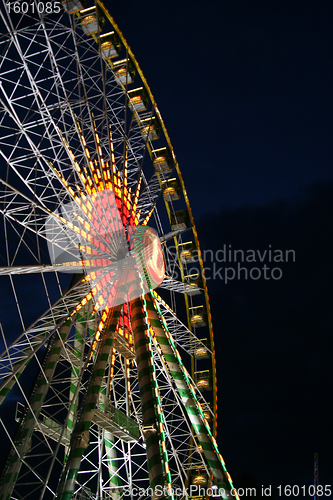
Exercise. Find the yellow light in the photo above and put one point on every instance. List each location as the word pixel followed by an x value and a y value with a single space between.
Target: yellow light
pixel 184 254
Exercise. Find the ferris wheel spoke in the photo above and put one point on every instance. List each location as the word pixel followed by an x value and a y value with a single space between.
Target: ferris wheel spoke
pixel 30 420
pixel 66 266
pixel 14 37
pixel 80 440
pixel 64 244
pixel 63 99
pixel 110 450
pixel 14 359
pixel 189 398
pixel 15 200
pixel 186 340
pixel 52 435
pixel 25 176
pixel 177 286
pixel 22 210
pixel 178 427
pixel 151 192
pixel 24 146
pixel 152 427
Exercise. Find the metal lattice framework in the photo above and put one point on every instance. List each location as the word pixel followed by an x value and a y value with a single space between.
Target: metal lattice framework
pixel 104 405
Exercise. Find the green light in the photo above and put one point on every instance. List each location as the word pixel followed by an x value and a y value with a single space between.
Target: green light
pixel 215 448
pixel 192 392
pixel 157 398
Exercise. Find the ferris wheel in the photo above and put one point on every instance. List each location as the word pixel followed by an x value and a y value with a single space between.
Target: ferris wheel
pixel 107 365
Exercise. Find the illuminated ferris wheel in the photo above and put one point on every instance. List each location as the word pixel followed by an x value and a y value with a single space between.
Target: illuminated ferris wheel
pixel 102 283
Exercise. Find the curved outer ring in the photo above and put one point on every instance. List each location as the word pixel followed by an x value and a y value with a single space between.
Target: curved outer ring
pixel 188 206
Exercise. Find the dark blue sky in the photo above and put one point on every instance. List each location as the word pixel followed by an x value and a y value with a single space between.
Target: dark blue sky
pixel 245 89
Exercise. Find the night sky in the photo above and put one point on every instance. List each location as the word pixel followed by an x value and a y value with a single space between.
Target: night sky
pixel 245 89
pixel 246 92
